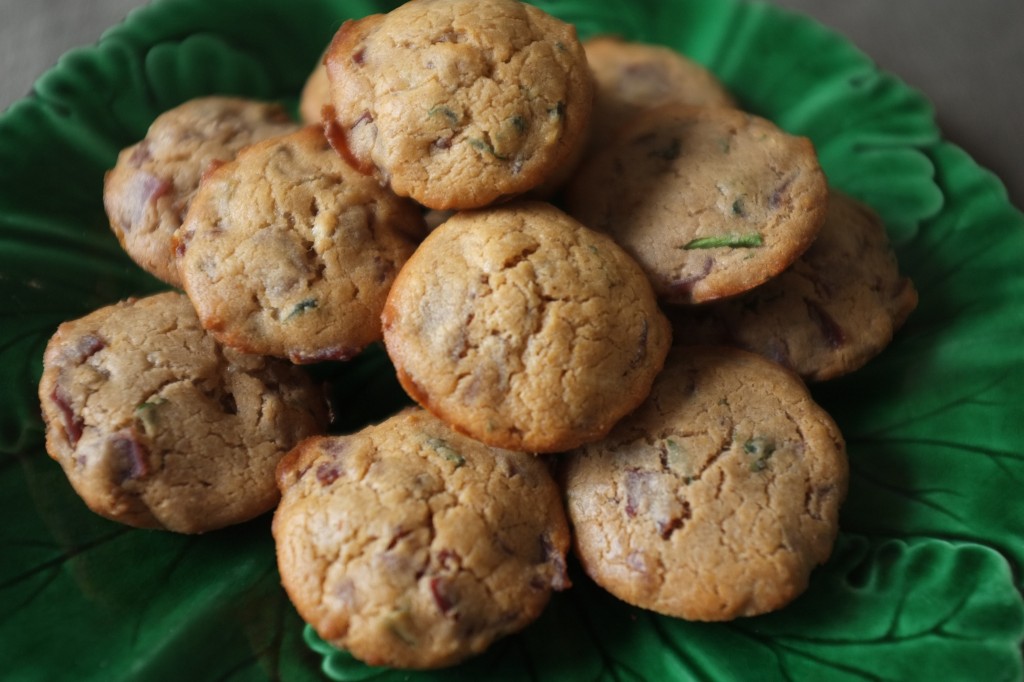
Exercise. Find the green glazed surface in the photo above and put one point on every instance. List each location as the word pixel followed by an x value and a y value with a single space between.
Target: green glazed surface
pixel 925 581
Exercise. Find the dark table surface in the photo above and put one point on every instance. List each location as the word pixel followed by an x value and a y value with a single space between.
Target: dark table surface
pixel 967 57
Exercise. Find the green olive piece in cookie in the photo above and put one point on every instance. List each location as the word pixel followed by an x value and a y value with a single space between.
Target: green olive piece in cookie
pixel 524 329
pixel 460 103
pixel 157 426
pixel 717 497
pixel 711 202
pixel 288 251
pixel 412 546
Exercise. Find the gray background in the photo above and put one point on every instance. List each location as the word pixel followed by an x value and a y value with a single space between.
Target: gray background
pixel 967 56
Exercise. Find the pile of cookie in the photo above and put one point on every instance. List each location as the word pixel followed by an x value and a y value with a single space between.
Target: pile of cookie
pixel 603 283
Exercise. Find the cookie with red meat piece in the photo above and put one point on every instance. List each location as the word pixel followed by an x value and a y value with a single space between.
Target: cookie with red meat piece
pixel 148 191
pixel 716 498
pixel 157 426
pixel 412 546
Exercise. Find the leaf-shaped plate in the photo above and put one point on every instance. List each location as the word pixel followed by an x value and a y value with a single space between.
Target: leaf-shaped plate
pixel 926 579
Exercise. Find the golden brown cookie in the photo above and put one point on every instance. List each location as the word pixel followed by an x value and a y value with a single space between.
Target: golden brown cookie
pixel 710 201
pixel 288 251
pixel 315 95
pixel 412 546
pixel 833 310
pixel 459 103
pixel 717 497
pixel 631 77
pixel 156 426
pixel 524 329
pixel 149 190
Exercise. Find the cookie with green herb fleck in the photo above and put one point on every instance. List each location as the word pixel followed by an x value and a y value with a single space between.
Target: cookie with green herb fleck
pixel 524 329
pixel 413 546
pixel 288 251
pixel 717 497
pixel 711 202
pixel 460 103
pixel 157 426
pixel 631 77
pixel 833 310
pixel 148 191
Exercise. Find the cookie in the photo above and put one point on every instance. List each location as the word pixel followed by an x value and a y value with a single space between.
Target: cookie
pixel 315 95
pixel 460 103
pixel 288 251
pixel 710 201
pixel 631 77
pixel 833 310
pixel 148 191
pixel 156 426
pixel 717 497
pixel 524 329
pixel 412 546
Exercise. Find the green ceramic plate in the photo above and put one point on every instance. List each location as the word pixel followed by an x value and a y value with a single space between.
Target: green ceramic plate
pixel 925 582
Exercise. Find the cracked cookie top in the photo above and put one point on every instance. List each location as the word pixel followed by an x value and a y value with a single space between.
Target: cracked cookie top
pixel 148 192
pixel 717 497
pixel 710 201
pixel 412 546
pixel 156 426
pixel 459 103
pixel 287 251
pixel 833 310
pixel 631 77
pixel 524 329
